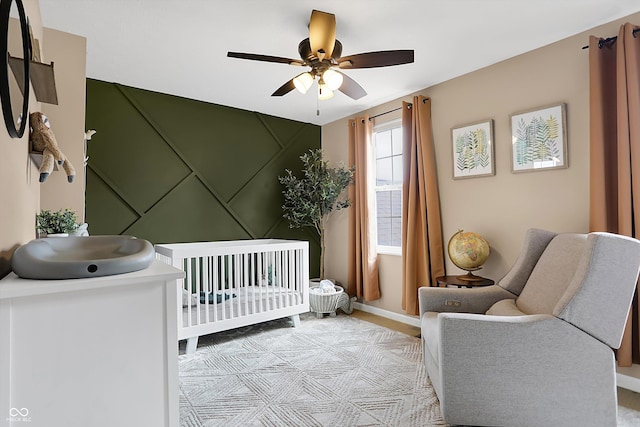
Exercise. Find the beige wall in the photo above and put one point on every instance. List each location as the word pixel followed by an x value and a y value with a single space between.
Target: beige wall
pixel 68 53
pixel 504 206
pixel 20 191
pixel 19 188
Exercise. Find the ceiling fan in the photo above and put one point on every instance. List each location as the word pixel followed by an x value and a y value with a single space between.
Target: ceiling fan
pixel 321 51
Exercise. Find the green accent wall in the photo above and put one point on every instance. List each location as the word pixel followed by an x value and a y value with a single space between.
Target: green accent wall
pixel 170 169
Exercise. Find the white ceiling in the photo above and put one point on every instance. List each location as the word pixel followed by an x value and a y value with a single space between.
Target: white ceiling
pixel 179 47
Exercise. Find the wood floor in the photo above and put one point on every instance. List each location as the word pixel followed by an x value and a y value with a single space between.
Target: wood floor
pixel 414 331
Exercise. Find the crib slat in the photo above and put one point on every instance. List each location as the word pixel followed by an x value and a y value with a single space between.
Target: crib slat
pixel 246 280
pixel 290 263
pixel 274 286
pixel 255 280
pixel 189 285
pixel 300 265
pixel 263 280
pixel 200 290
pixel 215 286
pixel 240 283
pixel 206 284
pixel 224 284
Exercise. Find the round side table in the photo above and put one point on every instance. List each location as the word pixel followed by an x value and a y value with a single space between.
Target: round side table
pixel 445 281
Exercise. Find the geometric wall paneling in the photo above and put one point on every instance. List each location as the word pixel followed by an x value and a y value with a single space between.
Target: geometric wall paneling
pixel 129 151
pixel 284 130
pixel 170 169
pixel 259 201
pixel 110 214
pixel 187 214
pixel 215 140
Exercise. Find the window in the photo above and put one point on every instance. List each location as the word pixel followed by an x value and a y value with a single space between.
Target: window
pixel 387 142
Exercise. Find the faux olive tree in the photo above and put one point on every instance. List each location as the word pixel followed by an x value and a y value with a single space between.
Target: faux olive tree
pixel 310 200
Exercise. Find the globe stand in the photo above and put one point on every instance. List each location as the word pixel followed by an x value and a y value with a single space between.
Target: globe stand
pixel 470 277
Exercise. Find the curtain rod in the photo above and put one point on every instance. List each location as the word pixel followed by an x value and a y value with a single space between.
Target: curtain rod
pixel 386 112
pixel 394 110
pixel 602 42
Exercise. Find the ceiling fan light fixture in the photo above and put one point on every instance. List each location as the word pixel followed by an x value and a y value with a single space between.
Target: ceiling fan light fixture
pixel 324 92
pixel 303 82
pixel 322 52
pixel 332 78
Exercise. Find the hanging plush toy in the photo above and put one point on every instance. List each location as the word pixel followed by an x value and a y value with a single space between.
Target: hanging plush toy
pixel 43 140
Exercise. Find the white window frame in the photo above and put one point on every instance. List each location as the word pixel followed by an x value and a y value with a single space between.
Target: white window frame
pixel 391 124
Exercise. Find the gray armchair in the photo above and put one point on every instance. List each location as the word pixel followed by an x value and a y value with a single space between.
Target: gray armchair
pixel 536 348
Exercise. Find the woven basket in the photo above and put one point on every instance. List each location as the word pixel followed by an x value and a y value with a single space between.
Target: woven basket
pixel 325 303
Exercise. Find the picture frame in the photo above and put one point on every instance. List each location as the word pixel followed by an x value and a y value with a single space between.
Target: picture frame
pixel 539 139
pixel 473 150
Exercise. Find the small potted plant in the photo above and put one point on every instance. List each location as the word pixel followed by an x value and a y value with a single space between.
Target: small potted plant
pixel 59 223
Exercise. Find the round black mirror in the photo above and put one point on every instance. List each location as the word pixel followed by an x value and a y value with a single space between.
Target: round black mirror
pixel 14 93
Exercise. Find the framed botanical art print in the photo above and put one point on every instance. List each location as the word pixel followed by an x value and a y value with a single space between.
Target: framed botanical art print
pixel 539 139
pixel 472 148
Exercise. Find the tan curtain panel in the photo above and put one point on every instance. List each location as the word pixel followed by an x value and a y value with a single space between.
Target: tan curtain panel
pixel 422 247
pixel 363 257
pixel 614 98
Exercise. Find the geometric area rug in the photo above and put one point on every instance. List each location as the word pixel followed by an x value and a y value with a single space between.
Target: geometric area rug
pixel 334 371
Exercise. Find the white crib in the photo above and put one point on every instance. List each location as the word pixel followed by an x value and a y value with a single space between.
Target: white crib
pixel 237 283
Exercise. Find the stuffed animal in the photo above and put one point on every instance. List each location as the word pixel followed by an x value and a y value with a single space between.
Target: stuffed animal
pixel 43 140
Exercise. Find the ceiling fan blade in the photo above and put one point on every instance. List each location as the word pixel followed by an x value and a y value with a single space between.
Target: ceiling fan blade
pixel 264 58
pixel 322 33
pixel 383 58
pixel 351 88
pixel 284 89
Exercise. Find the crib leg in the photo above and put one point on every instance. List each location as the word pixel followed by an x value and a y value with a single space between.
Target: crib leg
pixel 192 344
pixel 296 320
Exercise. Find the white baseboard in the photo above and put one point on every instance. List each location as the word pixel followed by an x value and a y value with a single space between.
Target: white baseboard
pixel 403 318
pixel 629 378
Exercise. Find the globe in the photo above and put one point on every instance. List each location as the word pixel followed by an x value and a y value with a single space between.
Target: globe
pixel 468 251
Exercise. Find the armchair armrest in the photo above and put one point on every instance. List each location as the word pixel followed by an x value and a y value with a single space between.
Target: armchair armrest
pixel 516 360
pixel 454 300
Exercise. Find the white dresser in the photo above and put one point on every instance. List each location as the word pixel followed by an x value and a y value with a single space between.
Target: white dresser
pixel 98 352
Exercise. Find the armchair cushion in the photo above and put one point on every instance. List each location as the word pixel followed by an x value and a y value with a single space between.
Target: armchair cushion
pixel 552 274
pixel 505 307
pixel 535 242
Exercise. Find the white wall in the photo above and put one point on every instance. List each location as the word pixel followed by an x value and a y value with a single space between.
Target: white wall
pixel 68 53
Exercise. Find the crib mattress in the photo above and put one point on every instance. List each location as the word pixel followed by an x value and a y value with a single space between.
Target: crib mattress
pixel 240 302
